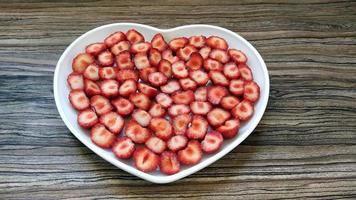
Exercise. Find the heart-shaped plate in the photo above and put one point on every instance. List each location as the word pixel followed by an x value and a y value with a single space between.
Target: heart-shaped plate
pixel 69 115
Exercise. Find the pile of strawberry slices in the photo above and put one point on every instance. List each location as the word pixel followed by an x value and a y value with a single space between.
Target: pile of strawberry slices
pixel 173 101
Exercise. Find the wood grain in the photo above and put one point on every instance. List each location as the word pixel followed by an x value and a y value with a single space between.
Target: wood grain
pixel 304 147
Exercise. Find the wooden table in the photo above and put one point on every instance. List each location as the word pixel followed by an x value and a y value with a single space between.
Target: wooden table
pixel 304 147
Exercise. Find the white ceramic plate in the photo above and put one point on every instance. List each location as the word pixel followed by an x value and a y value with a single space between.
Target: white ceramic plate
pixel 69 115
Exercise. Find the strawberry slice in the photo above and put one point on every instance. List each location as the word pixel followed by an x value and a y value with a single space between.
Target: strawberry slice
pixel 134 37
pixel 180 124
pixel 210 64
pixel 230 128
pixel 237 56
pixel 157 79
pixel 127 88
pixel 92 72
pixel 169 163
pixel 140 100
pixel 78 99
pixel 141 61
pixel 183 97
pixel 245 72
pixel 156 144
pixel 229 102
pixel 123 60
pixel 179 70
pixel 218 116
pixel 216 93
pixel 204 52
pixel 200 107
pixel 165 67
pixel 212 142
pixel 198 128
pixel 158 42
pixel 123 106
pixel 147 90
pixel 87 118
pixel 95 49
pixel 142 117
pixel 251 91
pixel 187 84
pixel 171 87
pixel 101 136
pixel 177 142
pixel 91 88
pixel 164 100
pixel 219 55
pixel 81 62
pixel 195 61
pixel 106 58
pixel 168 55
pixel 185 52
pixel 231 71
pixel 123 148
pixel 136 132
pixel 142 47
pixel 192 154
pixel 197 41
pixel 114 38
pixel 199 76
pixel 109 88
pixel 145 160
pixel 178 109
pixel 216 42
pixel 157 110
pixel 243 111
pixel 177 43
pixel 201 94
pixel 218 78
pixel 161 127
pixel 100 104
pixel 75 81
pixel 145 72
pixel 112 121
pixel 154 57
pixel 120 47
pixel 236 87
pixel 126 74
pixel 107 73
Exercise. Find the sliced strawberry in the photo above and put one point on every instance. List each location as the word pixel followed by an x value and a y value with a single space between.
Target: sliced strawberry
pixel 141 61
pixel 211 64
pixel 231 71
pixel 169 163
pixel 107 73
pixel 157 110
pixel 114 38
pixel 183 97
pixel 204 52
pixel 81 62
pixel 177 142
pixel 218 78
pixel 245 72
pixel 101 136
pixel 112 121
pixel 91 88
pixel 158 42
pixel 219 55
pixel 218 116
pixel 157 79
pixel 123 148
pixel 212 142
pixel 78 99
pixel 216 93
pixel 75 81
pixel 216 42
pixel 200 107
pixel 165 67
pixel 134 37
pixel 187 84
pixel 200 77
pixel 179 70
pixel 195 61
pixel 236 87
pixel 145 160
pixel 229 102
pixel 142 117
pixel 198 128
pixel 123 60
pixel 201 94
pixel 106 58
pixel 136 132
pixel 95 49
pixel 127 88
pixel 109 88
pixel 92 72
pixel 237 56
pixel 161 127
pixel 178 109
pixel 197 41
pixel 142 47
pixel 100 104
pixel 126 74
pixel 177 43
pixel 164 100
pixel 185 52
pixel 230 128
pixel 140 100
pixel 168 55
pixel 154 57
pixel 147 90
pixel 120 47
pixel 171 87
pixel 87 118
pixel 192 154
pixel 180 124
pixel 123 106
pixel 251 91
pixel 145 72
pixel 243 111
pixel 156 144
